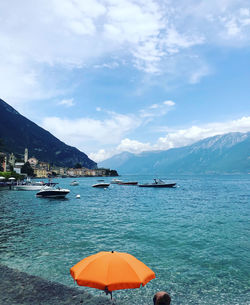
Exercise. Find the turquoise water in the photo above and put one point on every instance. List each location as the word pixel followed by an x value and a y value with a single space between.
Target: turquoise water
pixel 195 237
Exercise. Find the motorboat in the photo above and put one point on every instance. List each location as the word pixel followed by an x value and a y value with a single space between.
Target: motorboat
pixel 52 192
pixel 101 185
pixel 128 183
pixel 4 186
pixel 29 186
pixel 73 183
pixel 115 181
pixel 158 183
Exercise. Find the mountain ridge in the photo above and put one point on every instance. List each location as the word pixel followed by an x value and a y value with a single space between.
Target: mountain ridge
pixel 228 153
pixel 17 133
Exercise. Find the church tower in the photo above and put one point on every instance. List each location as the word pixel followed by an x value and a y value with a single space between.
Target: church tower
pixel 26 157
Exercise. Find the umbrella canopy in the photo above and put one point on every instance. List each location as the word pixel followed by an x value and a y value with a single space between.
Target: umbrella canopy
pixel 2 178
pixel 12 178
pixel 111 271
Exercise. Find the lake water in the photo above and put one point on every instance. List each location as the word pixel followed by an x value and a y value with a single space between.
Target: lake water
pixel 195 237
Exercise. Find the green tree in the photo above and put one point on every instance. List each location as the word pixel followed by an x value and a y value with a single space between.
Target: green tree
pixel 1 160
pixel 78 165
pixel 27 169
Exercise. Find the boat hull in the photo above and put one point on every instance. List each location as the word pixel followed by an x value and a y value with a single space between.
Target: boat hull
pixel 28 187
pixel 52 194
pixel 128 183
pixel 158 185
pixel 74 183
pixel 101 185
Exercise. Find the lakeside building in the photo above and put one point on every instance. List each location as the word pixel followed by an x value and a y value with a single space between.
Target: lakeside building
pixel 86 172
pixel 12 160
pixel 41 173
pixel 76 172
pixel 33 162
pixel 44 169
pixel 60 171
pixel 17 167
pixel 43 165
pixel 3 161
pixel 96 172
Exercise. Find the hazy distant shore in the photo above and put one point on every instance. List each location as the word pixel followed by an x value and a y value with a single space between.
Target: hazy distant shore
pixel 19 288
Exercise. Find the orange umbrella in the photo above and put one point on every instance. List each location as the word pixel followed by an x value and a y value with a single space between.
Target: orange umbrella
pixel 111 271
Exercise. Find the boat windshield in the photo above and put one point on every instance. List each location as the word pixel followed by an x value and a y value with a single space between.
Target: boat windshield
pixel 159 181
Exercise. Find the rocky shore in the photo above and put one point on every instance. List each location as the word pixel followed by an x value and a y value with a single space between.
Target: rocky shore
pixel 19 288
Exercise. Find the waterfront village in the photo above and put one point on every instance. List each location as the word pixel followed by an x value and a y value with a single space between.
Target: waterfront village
pixel 41 169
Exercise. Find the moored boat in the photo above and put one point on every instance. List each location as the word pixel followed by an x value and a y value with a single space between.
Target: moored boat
pixel 73 183
pixel 158 183
pixel 52 192
pixel 28 185
pixel 115 181
pixel 101 185
pixel 128 183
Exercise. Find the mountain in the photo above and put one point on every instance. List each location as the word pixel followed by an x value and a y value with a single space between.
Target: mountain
pixel 229 153
pixel 17 133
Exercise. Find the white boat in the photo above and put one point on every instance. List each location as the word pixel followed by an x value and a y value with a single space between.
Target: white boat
pixel 158 183
pixel 115 181
pixel 101 185
pixel 74 183
pixel 29 186
pixel 52 192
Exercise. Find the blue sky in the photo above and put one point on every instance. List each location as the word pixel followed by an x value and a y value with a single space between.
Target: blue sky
pixel 109 76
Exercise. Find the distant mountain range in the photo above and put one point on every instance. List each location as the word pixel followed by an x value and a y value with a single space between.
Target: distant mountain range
pixel 229 153
pixel 17 133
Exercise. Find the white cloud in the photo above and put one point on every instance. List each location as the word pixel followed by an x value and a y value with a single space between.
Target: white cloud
pixel 176 138
pixel 90 132
pixel 67 102
pixel 190 135
pixel 156 110
pixel 70 34
pixel 175 40
pixel 245 11
pixel 232 27
pixel 126 144
pixel 169 103
pixel 197 74
pixel 80 131
pixel 133 146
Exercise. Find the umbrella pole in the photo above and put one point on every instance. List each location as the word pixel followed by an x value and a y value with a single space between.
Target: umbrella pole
pixel 108 292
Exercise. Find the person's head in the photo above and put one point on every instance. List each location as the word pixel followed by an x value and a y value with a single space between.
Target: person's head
pixel 162 298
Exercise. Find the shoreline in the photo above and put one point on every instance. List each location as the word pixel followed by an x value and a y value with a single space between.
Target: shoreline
pixel 20 288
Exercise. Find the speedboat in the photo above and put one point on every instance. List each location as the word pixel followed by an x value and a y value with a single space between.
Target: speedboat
pixel 74 183
pixel 101 185
pixel 115 181
pixel 128 183
pixel 29 186
pixel 158 183
pixel 52 192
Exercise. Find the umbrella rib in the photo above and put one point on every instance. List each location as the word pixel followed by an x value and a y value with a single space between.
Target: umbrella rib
pixel 87 265
pixel 140 279
pixel 131 269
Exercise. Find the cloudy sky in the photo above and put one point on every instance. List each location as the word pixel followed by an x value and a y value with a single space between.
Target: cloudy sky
pixel 109 76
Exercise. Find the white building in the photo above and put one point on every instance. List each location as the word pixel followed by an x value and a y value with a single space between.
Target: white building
pixel 18 166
